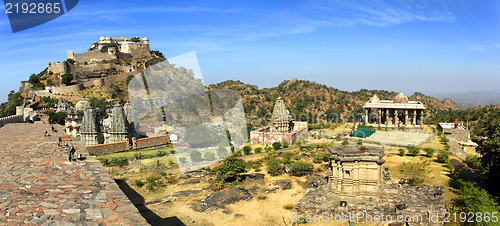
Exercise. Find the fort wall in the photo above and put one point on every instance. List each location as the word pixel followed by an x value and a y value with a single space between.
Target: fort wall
pixel 94 56
pixel 141 143
pixel 11 119
pixel 68 89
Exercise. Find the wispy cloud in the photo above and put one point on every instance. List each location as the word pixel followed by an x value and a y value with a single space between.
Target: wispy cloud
pixel 477 47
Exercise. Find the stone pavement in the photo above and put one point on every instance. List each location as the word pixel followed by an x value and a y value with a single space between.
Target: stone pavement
pixel 398 138
pixel 39 186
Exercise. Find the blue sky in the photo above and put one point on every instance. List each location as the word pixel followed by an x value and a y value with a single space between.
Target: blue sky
pixel 409 46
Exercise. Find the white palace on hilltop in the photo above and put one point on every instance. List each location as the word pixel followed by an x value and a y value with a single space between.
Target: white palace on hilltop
pixel 399 112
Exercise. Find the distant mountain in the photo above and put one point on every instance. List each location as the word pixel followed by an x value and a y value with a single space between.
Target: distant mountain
pixel 467 100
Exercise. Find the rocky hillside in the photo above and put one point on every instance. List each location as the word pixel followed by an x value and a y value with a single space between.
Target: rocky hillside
pixel 304 96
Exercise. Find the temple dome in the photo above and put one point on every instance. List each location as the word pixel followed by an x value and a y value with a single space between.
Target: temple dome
pixel 401 98
pixel 374 99
pixel 82 105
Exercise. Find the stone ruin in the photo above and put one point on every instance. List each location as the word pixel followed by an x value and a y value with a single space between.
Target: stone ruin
pixel 356 187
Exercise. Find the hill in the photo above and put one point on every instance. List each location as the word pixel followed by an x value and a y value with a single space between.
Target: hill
pixel 311 98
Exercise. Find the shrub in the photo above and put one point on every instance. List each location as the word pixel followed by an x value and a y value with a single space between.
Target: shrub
pixel 257 150
pixel 276 145
pixel 139 155
pixel 413 151
pixel 287 157
pixel 321 157
pixel 416 171
pixel 209 156
pixel 345 142
pixel 285 144
pixel 274 167
pixel 474 162
pixel 256 167
pixel 289 206
pixel 104 161
pixel 261 197
pixel 444 140
pixel 139 183
pixel 299 168
pixel 195 156
pixel 360 142
pixel 442 157
pixel 66 78
pixel 298 143
pixel 402 152
pixel 247 150
pixel 430 152
pixel 161 153
pixel 231 166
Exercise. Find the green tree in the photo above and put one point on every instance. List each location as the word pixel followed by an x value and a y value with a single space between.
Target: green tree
pixel 415 171
pixel 300 168
pixel 414 151
pixel 429 152
pixel 66 78
pixel 274 167
pixel 195 156
pixel 442 157
pixel 285 144
pixel 490 151
pixel 258 150
pixel 71 61
pixel 209 156
pixel 276 145
pixel 247 150
pixel 402 152
pixel 231 166
pixel 34 79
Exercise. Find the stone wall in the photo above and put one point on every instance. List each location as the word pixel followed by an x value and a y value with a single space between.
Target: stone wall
pixel 11 119
pixel 142 143
pixel 101 67
pixel 68 89
pixel 152 142
pixel 102 149
pixel 60 67
pixel 137 50
pixel 94 56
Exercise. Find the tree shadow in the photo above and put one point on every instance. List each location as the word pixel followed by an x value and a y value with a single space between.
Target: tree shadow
pixel 138 201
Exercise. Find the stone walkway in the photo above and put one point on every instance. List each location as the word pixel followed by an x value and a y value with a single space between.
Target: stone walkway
pixel 39 186
pixel 399 138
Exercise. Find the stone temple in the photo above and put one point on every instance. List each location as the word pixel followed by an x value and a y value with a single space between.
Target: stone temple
pixel 355 185
pixel 282 127
pixel 356 171
pixel 84 122
pixel 396 113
